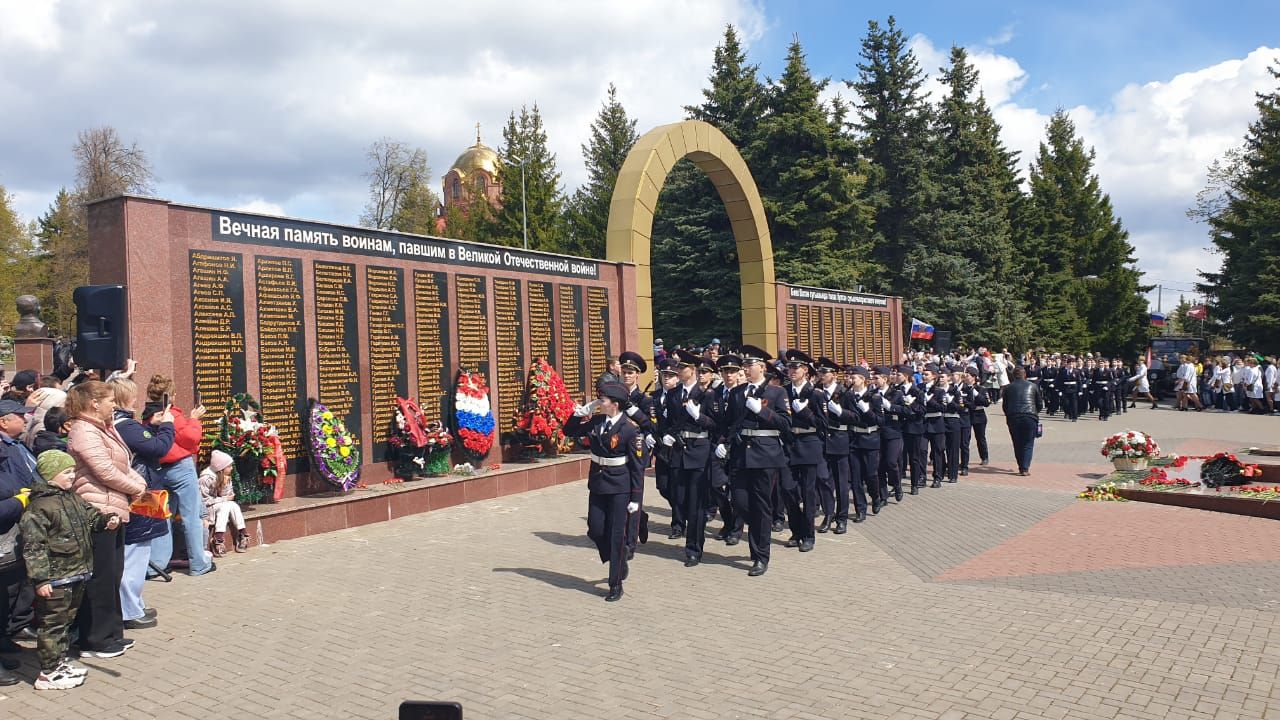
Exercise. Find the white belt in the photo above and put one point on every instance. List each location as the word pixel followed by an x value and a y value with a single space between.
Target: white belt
pixel 752 432
pixel 693 435
pixel 865 430
pixel 947 415
pixel 1103 384
pixel 610 461
pixel 803 431
pixel 839 428
pixel 929 415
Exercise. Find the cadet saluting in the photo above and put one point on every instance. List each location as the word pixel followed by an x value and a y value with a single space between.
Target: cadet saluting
pixel 757 417
pixel 689 425
pixel 615 479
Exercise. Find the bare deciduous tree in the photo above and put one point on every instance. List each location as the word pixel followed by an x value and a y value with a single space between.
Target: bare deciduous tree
pixel 105 166
pixel 396 171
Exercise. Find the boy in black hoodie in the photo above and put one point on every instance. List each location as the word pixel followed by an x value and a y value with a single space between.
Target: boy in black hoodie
pixel 54 434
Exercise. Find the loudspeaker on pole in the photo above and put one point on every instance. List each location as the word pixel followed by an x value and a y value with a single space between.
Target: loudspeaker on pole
pixel 102 326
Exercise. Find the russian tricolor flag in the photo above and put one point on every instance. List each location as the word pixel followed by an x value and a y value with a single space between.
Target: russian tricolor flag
pixel 1158 319
pixel 920 330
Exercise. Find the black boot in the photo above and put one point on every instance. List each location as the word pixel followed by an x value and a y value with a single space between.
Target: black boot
pixel 860 516
pixel 897 493
pixel 825 525
pixel 841 528
pixel 915 489
pixel 615 594
pixel 936 484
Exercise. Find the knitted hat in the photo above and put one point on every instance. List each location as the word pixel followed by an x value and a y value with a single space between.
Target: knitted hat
pixel 219 461
pixel 52 462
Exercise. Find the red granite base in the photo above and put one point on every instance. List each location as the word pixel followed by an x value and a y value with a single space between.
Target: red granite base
pixel 1224 501
pixel 301 516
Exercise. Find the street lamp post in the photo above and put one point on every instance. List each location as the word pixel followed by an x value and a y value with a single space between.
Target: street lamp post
pixel 524 207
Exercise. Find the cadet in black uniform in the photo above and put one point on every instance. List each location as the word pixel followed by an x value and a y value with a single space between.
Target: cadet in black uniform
pixel 775 378
pixel 688 431
pixel 894 409
pixel 757 418
pixel 862 407
pixel 1069 381
pixel 1119 386
pixel 977 421
pixel 935 427
pixel 730 367
pixel 615 479
pixel 1100 378
pixel 1049 384
pixel 833 489
pixel 913 433
pixel 663 471
pixel 808 430
pixel 951 412
pixel 640 410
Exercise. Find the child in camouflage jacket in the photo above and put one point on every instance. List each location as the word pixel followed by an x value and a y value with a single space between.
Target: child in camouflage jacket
pixel 58 549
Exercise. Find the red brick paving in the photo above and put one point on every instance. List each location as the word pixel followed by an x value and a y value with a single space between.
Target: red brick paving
pixel 1108 536
pixel 1044 476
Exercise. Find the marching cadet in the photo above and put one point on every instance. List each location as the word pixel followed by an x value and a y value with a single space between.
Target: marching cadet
pixel 640 410
pixel 965 400
pixel 863 408
pixel 913 429
pixel 894 409
pixel 688 431
pixel 1049 383
pixel 977 422
pixel 709 380
pixel 935 427
pixel 1099 377
pixel 615 479
pixel 663 471
pixel 1069 381
pixel 951 411
pixel 1119 383
pixel 808 430
pixel 730 367
pixel 833 489
pixel 774 377
pixel 758 417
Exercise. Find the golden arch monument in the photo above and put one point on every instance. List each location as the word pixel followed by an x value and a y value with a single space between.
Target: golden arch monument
pixel 635 198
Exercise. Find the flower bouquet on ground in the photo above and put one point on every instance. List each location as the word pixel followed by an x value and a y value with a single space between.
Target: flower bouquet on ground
pixel 1226 469
pixel 545 409
pixel 1157 479
pixel 473 416
pixel 259 467
pixel 1130 450
pixel 335 451
pixel 1105 492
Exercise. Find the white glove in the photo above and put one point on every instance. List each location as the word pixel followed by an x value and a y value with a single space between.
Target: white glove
pixel 721 451
pixel 650 441
pixel 631 411
pixel 834 407
pixel 864 406
pixel 592 406
pixel 754 404
pixel 798 404
pixel 632 507
pixel 693 409
pixel 949 398
pixel 668 440
pixel 582 410
pixel 884 402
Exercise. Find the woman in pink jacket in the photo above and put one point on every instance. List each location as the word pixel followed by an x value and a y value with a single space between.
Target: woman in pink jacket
pixel 106 480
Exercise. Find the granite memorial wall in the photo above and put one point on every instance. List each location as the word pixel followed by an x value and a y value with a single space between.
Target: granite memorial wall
pixel 845 326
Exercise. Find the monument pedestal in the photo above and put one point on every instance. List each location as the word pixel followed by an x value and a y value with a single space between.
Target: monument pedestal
pixel 33 354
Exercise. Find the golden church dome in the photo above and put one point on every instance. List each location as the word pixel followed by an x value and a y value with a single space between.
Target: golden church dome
pixel 477 157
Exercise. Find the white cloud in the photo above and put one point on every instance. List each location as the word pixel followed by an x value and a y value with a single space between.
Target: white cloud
pixel 1001 38
pixel 258 205
pixel 277 101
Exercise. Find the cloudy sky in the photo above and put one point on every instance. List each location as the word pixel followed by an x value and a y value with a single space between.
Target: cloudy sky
pixel 269 105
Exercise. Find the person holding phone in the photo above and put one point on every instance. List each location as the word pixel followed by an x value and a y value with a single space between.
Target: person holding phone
pixel 181 479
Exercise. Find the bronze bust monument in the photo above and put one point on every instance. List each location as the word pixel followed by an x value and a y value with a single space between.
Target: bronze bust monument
pixel 29 323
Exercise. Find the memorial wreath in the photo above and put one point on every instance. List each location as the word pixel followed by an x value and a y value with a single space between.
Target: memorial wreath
pixel 421 446
pixel 335 451
pixel 243 434
pixel 544 411
pixel 473 415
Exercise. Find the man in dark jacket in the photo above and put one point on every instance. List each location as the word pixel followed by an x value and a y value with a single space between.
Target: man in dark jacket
pixel 17 477
pixel 1021 403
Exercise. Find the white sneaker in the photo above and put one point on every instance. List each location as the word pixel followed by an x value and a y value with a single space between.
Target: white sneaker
pixel 60 679
pixel 74 668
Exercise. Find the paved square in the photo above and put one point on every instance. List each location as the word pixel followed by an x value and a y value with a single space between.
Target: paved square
pixel 998 597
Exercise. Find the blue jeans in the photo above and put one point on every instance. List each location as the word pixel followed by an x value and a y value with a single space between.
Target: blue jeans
pixel 1022 430
pixel 184 499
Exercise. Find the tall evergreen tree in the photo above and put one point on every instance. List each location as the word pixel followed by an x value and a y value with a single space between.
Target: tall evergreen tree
pixel 64 259
pixel 693 242
pixel 1079 261
pixel 1244 295
pixel 587 216
pixel 524 139
pixel 963 276
pixel 893 121
pixel 819 227
pixel 17 256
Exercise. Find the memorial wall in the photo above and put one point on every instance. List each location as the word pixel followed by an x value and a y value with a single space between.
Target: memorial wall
pixel 845 326
pixel 289 310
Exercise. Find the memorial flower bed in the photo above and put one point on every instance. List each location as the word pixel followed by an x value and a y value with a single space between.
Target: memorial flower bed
pixel 544 411
pixel 1225 469
pixel 473 416
pixel 1158 480
pixel 335 452
pixel 421 447
pixel 243 434
pixel 1258 492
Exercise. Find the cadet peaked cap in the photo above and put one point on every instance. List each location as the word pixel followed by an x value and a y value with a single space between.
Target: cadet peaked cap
pixel 826 364
pixel 614 391
pixel 932 367
pixel 684 357
pixel 751 353
pixel 729 362
pixel 633 360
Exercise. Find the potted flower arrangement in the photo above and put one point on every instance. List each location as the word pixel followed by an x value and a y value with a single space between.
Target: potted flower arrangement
pixel 421 446
pixel 473 416
pixel 335 452
pixel 1226 469
pixel 544 411
pixel 242 433
pixel 1130 450
pixel 438 445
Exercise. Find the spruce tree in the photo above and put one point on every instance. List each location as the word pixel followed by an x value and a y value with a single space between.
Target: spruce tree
pixel 587 215
pixel 525 140
pixel 1244 295
pixel 693 243
pixel 817 222
pixel 893 121
pixel 63 237
pixel 17 253
pixel 1086 292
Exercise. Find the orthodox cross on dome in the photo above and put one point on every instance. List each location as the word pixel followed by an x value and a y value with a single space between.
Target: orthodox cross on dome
pixel 477 133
